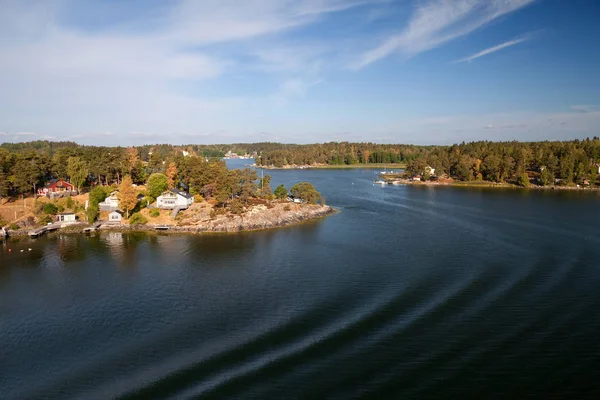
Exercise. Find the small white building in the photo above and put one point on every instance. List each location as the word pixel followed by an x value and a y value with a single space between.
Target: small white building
pixel 115 217
pixel 172 198
pixel 111 203
pixel 66 217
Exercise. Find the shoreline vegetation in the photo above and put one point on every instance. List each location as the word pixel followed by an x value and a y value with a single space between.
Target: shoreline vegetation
pixel 46 185
pixel 137 176
pixel 483 184
pixel 565 165
pixel 336 166
pixel 198 220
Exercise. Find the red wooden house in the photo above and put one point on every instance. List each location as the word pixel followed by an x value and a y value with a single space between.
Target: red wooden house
pixel 56 186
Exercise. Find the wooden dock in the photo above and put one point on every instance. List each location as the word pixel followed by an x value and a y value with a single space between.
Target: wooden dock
pixel 92 228
pixel 40 231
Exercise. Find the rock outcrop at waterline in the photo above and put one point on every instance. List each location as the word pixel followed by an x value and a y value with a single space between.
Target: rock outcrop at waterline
pixel 199 219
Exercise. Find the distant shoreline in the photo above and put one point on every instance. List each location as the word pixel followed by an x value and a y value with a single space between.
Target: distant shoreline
pixel 487 184
pixel 337 166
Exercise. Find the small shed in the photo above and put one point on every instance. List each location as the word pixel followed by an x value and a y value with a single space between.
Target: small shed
pixel 66 217
pixel 115 216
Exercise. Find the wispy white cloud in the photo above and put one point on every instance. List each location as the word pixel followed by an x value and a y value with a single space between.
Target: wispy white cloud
pixel 585 108
pixel 26 134
pixel 293 89
pixel 213 21
pixel 436 22
pixel 493 49
pixel 121 79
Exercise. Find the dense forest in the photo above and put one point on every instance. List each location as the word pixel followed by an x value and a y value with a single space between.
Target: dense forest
pixel 542 163
pixel 26 166
pixel 343 153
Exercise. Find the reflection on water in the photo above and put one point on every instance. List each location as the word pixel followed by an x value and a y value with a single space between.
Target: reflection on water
pixel 407 292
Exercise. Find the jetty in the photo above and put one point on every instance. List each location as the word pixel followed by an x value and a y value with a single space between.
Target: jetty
pixel 40 231
pixel 92 228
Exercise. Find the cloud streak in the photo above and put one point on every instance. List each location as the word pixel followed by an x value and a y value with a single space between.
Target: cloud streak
pixel 148 77
pixel 437 22
pixel 492 49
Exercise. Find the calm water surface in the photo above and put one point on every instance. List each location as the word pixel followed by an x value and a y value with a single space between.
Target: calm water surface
pixel 408 292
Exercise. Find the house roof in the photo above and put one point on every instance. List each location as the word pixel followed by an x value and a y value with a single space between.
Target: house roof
pixel 181 193
pixel 54 181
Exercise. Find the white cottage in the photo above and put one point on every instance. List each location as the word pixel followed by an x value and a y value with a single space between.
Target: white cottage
pixel 111 203
pixel 115 217
pixel 66 218
pixel 172 198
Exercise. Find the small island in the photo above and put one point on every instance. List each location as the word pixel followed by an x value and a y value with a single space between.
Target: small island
pixel 178 193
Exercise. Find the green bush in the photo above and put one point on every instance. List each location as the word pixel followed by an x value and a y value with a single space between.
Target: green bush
pixel 98 194
pixel 236 207
pixel 523 180
pixel 92 213
pixel 280 192
pixel 50 208
pixel 45 219
pixel 137 219
pixel 154 213
pixel 305 191
pixel 157 183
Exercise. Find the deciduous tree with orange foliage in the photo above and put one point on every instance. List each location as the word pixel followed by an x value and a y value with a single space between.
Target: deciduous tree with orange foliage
pixel 127 195
pixel 172 175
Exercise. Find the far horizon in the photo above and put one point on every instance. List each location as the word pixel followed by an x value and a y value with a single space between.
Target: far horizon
pixel 422 72
pixel 99 144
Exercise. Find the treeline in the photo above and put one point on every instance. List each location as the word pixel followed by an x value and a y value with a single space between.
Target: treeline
pixel 543 163
pixel 344 153
pixel 24 167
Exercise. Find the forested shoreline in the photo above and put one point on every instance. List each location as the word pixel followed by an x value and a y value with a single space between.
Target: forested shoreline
pixel 26 166
pixel 562 163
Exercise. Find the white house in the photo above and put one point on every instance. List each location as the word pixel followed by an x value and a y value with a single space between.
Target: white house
pixel 172 198
pixel 111 203
pixel 66 217
pixel 115 216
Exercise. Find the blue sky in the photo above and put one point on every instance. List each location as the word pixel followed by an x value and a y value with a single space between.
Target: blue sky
pixel 121 72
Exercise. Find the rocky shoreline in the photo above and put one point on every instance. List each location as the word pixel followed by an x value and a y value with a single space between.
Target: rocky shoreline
pixel 256 218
